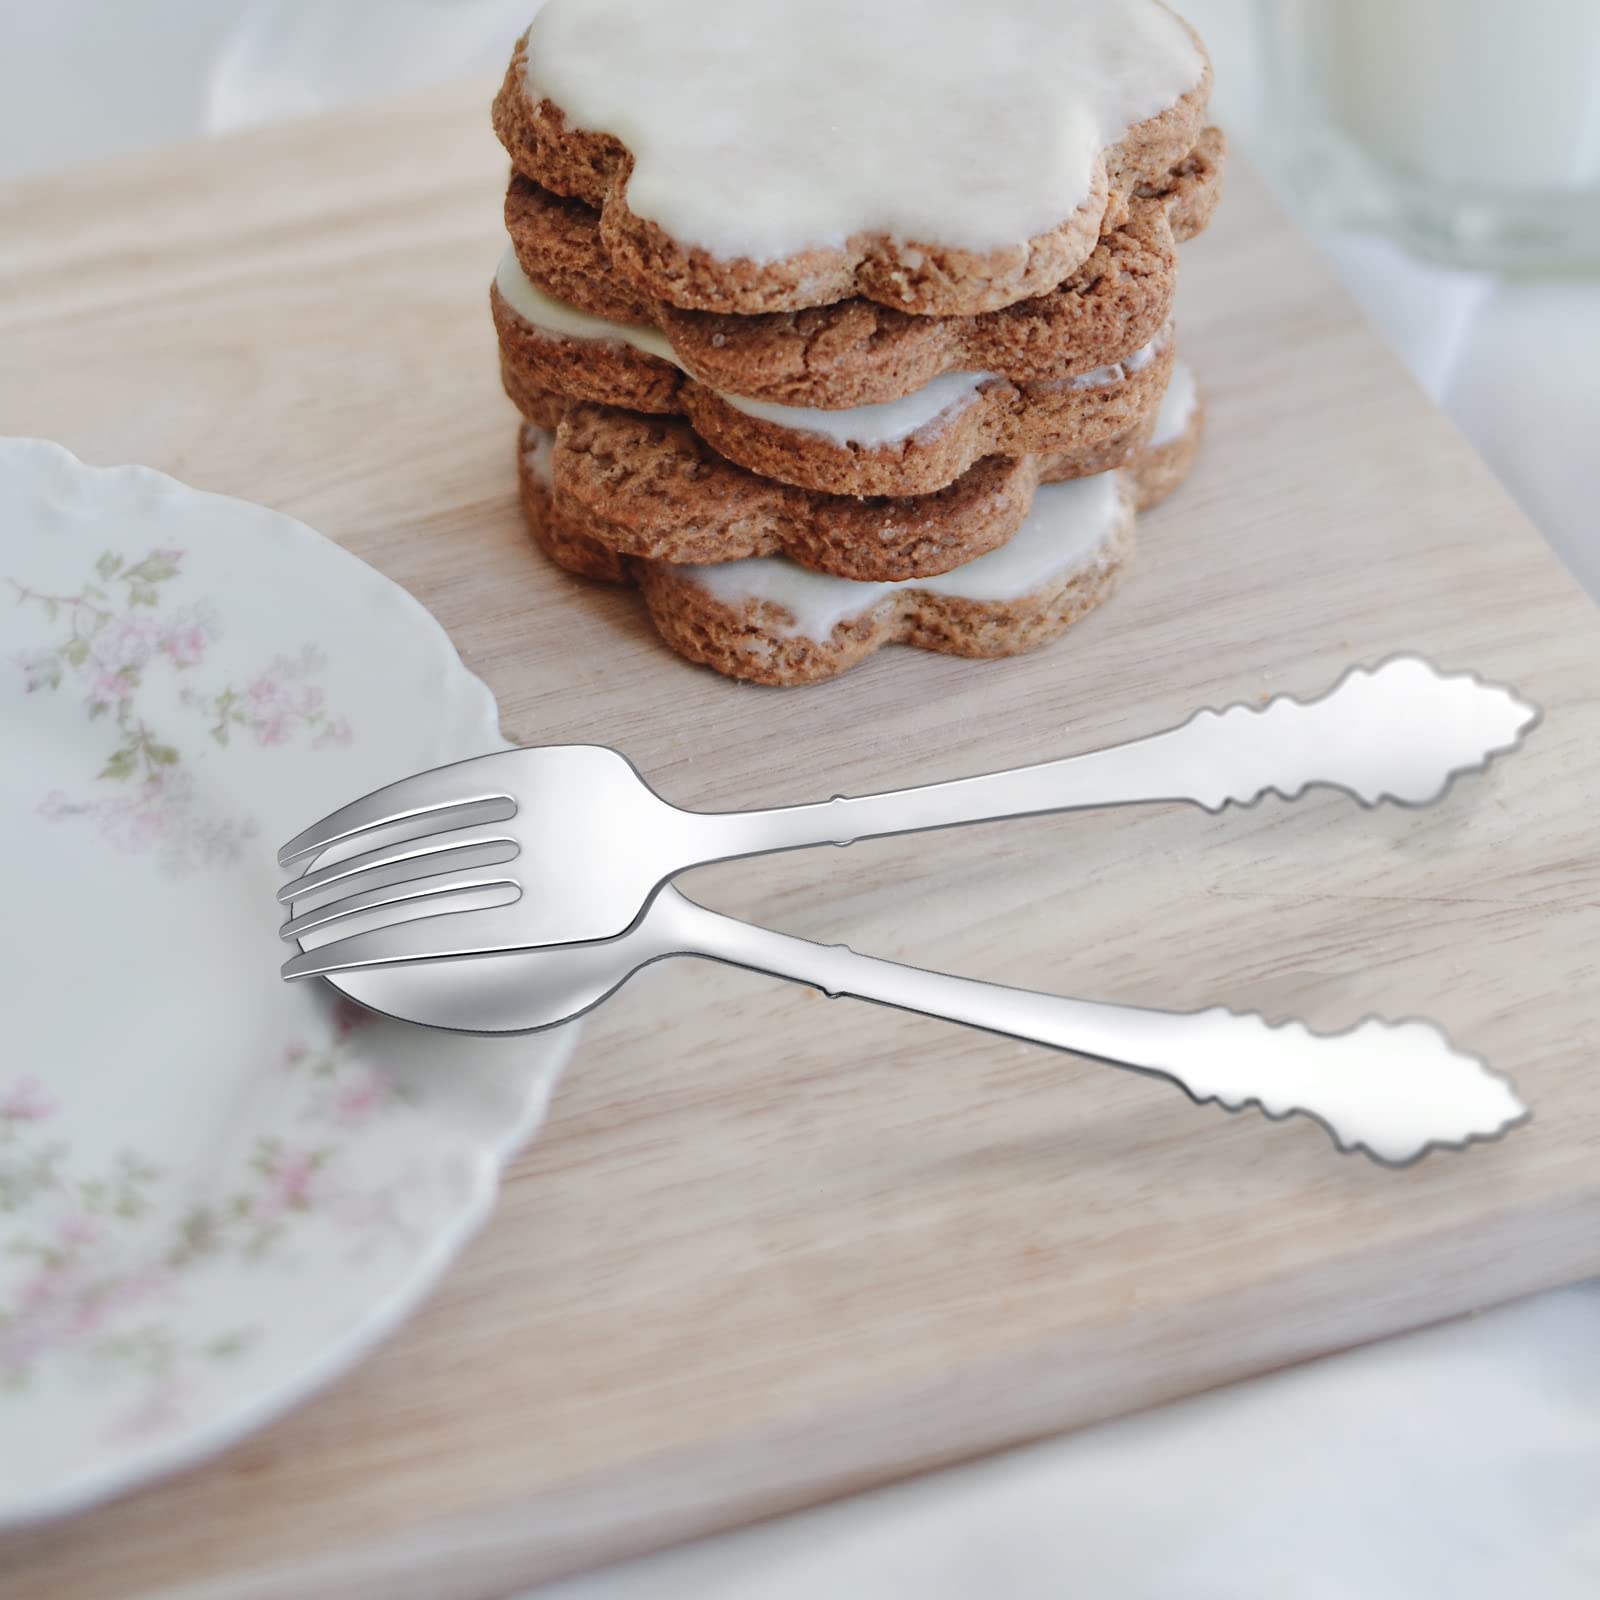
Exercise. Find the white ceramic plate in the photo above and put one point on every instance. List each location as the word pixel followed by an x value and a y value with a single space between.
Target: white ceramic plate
pixel 216 1190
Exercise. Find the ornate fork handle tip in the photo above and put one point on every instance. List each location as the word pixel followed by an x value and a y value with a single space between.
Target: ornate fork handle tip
pixel 1402 732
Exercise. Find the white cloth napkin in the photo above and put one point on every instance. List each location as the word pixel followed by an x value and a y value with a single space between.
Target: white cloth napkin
pixel 1463 1462
pixel 1516 364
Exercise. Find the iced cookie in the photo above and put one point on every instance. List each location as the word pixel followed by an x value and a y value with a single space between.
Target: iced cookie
pixel 939 157
pixel 915 445
pixel 1167 457
pixel 768 620
pixel 651 487
pixel 858 353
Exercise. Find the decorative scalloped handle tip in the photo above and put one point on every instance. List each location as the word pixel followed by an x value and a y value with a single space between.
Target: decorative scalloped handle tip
pixel 1402 732
pixel 1394 1090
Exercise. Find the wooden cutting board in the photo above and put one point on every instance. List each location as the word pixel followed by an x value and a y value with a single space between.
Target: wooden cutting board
pixel 773 1248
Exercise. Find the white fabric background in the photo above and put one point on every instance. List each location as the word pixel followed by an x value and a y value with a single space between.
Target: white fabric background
pixel 1461 1462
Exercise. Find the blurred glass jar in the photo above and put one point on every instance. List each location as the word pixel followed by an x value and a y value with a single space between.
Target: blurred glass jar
pixel 1468 128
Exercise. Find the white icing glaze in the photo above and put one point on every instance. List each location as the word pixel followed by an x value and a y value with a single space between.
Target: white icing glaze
pixel 541 454
pixel 1101 377
pixel 934 121
pixel 566 321
pixel 1069 524
pixel 1121 371
pixel 868 426
pixel 1178 406
pixel 889 422
pixel 1140 359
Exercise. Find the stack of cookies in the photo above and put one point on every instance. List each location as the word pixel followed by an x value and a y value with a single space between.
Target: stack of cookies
pixel 834 325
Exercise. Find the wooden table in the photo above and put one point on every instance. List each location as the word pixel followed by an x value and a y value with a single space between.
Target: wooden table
pixel 773 1249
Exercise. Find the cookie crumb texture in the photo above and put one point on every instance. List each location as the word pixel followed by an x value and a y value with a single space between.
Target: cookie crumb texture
pixel 693 130
pixel 703 615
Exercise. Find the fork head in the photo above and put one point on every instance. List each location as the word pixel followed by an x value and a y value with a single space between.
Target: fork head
pixel 554 845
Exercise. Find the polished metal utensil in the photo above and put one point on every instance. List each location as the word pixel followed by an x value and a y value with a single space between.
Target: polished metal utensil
pixel 1394 1091
pixel 591 842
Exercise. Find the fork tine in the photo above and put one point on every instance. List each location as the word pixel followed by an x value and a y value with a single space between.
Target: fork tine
pixel 443 789
pixel 429 936
pixel 458 850
pixel 506 891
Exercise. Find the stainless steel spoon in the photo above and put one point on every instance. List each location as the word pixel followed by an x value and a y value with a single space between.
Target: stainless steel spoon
pixel 1391 1090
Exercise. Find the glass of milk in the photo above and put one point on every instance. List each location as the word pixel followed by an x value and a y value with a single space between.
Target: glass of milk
pixel 1471 128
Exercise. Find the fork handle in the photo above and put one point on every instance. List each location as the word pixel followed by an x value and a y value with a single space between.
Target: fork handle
pixel 1392 1090
pixel 1400 732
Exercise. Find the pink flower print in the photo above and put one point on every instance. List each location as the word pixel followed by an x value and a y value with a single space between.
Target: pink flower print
pixel 136 822
pixel 264 693
pixel 77 1230
pixel 270 709
pixel 26 1102
pixel 37 1317
pixel 109 689
pixel 48 1286
pixel 274 728
pixel 295 1054
pixel 288 1185
pixel 336 733
pixel 185 646
pixel 367 1092
pixel 348 1016
pixel 123 645
pixel 155 1282
pixel 309 700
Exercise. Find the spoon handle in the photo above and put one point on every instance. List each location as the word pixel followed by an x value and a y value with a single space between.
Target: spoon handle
pixel 1401 732
pixel 1391 1090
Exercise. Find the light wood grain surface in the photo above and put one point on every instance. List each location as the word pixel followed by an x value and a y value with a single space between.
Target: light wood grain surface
pixel 773 1248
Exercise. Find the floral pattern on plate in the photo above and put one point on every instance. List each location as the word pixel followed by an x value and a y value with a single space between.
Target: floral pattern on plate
pixel 113 633
pixel 215 1190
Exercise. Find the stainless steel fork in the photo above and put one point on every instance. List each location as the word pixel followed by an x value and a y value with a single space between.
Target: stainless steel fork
pixel 566 844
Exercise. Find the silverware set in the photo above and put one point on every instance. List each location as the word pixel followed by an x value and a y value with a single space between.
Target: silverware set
pixel 518 890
